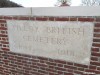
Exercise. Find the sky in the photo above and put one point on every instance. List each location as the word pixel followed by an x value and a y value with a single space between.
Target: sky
pixel 42 3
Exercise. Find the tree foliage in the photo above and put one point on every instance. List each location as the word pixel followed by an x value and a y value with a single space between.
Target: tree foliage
pixel 90 2
pixel 60 2
pixel 8 3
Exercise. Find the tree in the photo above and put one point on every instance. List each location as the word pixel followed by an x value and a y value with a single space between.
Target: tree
pixel 90 2
pixel 7 3
pixel 63 2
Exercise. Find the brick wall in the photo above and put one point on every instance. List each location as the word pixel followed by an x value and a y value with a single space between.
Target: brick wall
pixel 21 64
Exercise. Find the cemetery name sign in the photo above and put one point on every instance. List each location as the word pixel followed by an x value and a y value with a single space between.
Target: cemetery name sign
pixel 69 41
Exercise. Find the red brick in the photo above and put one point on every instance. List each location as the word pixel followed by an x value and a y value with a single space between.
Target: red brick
pixel 25 56
pixel 70 70
pixel 68 74
pixel 3 32
pixel 51 63
pixel 97 24
pixel 80 69
pixel 51 70
pixel 93 71
pixel 19 63
pixel 96 40
pixel 3 42
pixel 19 66
pixel 92 67
pixel 96 30
pixel 23 18
pixel 61 69
pixel 34 66
pixel 60 65
pixel 51 66
pixel 73 19
pixel 95 49
pixel 51 73
pixel 7 17
pixel 24 61
pixel 59 72
pixel 86 19
pixel 1 68
pixel 51 18
pixel 19 57
pixel 42 61
pixel 12 54
pixel 79 65
pixel 1 52
pixel 61 19
pixel 70 67
pixel 7 73
pixel 97 35
pixel 2 28
pixel 51 60
pixel 35 73
pixel 15 18
pixel 95 54
pixel 32 18
pixel 26 72
pixel 35 60
pixel 96 44
pixel 19 60
pixel 6 49
pixel 98 68
pixel 42 58
pixel 1 35
pixel 41 71
pixel 1 17
pixel 14 71
pixel 15 63
pixel 42 68
pixel 7 66
pixel 27 68
pixel 95 63
pixel 60 61
pixel 42 65
pixel 78 72
pixel 2 21
pixel 94 58
pixel 69 63
pixel 2 25
pixel 97 19
pixel 42 18
pixel 12 59
pixel 2 73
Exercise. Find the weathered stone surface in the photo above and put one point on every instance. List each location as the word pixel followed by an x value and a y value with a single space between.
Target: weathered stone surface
pixel 70 41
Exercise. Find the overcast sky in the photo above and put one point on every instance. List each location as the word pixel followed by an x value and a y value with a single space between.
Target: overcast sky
pixel 42 3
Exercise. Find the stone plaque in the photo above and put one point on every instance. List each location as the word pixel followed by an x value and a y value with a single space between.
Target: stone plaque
pixel 70 41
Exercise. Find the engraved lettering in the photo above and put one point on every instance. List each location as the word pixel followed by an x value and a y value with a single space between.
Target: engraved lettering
pixel 69 41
